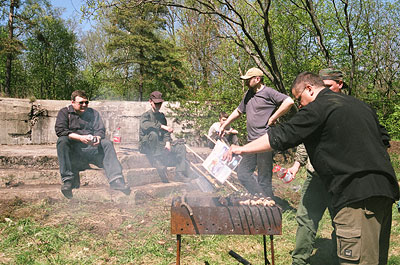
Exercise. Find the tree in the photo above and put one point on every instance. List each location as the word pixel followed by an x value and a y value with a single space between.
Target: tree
pixel 285 37
pixel 52 59
pixel 140 54
pixel 93 46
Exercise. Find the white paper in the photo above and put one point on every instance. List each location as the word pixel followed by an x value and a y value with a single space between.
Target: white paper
pixel 218 168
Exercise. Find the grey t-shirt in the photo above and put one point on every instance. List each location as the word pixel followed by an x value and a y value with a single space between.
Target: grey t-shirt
pixel 259 108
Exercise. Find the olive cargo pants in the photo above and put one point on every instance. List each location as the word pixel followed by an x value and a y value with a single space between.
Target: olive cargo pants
pixel 312 206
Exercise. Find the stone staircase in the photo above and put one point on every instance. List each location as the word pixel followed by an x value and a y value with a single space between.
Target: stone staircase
pixel 30 172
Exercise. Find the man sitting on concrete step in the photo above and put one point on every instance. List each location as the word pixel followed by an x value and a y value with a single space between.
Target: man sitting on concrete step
pixel 155 141
pixel 81 140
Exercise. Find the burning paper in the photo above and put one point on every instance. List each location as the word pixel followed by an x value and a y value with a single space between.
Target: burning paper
pixel 218 168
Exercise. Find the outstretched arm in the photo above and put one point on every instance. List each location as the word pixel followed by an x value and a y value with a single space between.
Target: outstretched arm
pixel 257 146
pixel 234 115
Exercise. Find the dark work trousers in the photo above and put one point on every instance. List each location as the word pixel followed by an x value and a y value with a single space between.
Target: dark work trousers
pixel 176 157
pixel 263 162
pixel 75 156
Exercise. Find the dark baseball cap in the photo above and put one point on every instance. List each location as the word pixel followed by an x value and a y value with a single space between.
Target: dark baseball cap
pixel 156 97
pixel 332 74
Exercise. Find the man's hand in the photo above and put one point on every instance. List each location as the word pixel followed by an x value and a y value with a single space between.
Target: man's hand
pixel 233 131
pixel 221 132
pixel 294 169
pixel 84 139
pixel 168 146
pixel 234 149
pixel 166 128
pixel 271 121
pixel 97 142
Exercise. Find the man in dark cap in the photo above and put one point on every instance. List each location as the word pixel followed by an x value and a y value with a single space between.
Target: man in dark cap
pixel 333 79
pixel 155 141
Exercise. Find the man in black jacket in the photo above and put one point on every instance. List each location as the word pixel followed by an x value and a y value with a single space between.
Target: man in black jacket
pixel 81 140
pixel 344 141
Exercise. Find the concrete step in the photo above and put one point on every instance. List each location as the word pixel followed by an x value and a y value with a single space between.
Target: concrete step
pixel 24 170
pixel 95 193
pixel 96 176
pixel 45 157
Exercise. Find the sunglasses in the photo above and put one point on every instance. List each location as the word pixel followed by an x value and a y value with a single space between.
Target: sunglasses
pixel 298 99
pixel 82 102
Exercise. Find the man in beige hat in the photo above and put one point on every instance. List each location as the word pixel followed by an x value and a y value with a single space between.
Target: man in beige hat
pixel 263 106
pixel 351 159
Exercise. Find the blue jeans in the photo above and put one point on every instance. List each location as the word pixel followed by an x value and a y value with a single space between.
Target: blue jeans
pixel 75 156
pixel 263 162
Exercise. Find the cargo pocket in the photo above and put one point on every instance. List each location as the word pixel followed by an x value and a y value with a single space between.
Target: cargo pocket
pixel 348 243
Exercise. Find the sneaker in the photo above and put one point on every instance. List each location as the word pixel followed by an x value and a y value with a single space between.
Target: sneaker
pixel 66 189
pixel 119 184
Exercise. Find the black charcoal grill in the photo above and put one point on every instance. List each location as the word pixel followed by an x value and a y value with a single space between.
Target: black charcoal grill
pixel 223 216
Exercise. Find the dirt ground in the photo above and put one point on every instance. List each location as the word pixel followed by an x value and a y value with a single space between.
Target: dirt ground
pixel 86 214
pixel 394 147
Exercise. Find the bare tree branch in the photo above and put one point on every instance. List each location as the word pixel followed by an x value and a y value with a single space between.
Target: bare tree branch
pixel 309 7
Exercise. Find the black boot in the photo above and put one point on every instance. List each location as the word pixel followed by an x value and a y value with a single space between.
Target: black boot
pixel 76 183
pixel 161 169
pixel 162 172
pixel 119 184
pixel 66 189
pixel 180 177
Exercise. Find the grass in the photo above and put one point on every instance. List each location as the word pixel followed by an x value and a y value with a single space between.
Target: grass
pixel 395 159
pixel 144 238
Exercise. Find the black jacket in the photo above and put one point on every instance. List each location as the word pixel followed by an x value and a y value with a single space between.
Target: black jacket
pixel 152 121
pixel 90 122
pixel 345 143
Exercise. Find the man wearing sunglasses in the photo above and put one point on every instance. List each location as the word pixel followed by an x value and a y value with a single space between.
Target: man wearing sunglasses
pixel 81 140
pixel 345 143
pixel 263 106
pixel 313 202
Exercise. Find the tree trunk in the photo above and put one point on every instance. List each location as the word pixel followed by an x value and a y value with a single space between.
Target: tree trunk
pixel 7 88
pixel 141 73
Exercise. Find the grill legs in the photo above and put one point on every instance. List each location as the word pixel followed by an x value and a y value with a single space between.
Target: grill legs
pixel 178 249
pixel 271 237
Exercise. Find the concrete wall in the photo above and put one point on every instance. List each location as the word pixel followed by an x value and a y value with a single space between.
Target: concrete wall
pixel 25 122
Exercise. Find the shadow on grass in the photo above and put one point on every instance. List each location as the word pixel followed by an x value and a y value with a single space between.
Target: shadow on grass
pixel 394 260
pixel 324 254
pixel 284 204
